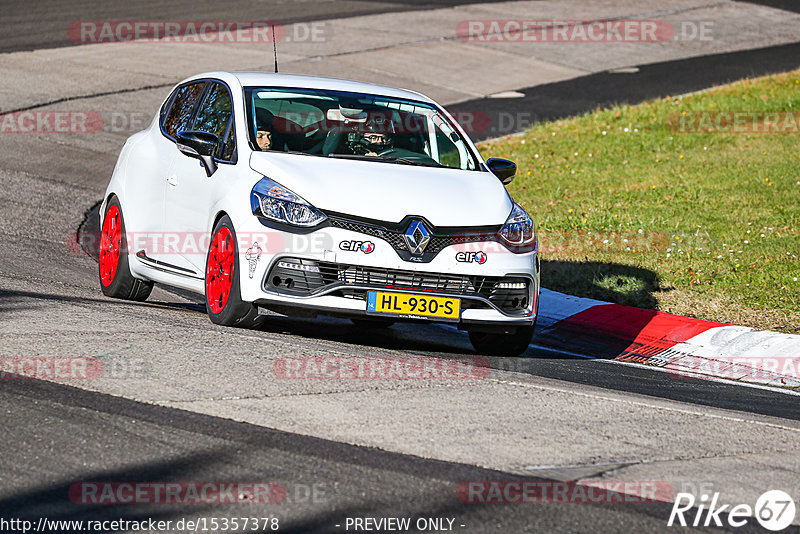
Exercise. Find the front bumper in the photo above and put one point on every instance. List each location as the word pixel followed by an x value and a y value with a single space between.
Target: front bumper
pixel 325 272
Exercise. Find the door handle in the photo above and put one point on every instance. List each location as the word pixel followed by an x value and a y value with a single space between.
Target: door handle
pixel 172 180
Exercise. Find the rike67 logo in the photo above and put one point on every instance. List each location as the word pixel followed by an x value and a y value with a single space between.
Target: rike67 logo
pixel 774 511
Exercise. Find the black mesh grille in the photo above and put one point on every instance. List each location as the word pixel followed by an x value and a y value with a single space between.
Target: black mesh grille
pixel 394 238
pixel 440 242
pixel 425 282
pixel 397 240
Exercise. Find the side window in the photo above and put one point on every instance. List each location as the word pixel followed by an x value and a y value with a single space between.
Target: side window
pixel 229 148
pixel 449 154
pixel 215 116
pixel 180 113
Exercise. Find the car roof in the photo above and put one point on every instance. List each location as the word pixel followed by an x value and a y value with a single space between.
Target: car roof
pixel 268 79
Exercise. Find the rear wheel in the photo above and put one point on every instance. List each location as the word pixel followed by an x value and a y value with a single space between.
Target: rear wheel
pixel 491 344
pixel 115 275
pixel 223 296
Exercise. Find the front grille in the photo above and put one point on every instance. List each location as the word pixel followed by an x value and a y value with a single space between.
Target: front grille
pixel 305 277
pixel 396 238
pixel 411 280
pixel 393 238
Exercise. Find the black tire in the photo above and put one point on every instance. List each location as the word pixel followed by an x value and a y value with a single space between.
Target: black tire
pixel 364 322
pixel 123 284
pixel 510 345
pixel 235 312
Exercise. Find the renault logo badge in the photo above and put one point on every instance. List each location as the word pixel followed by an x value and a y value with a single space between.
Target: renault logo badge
pixel 417 237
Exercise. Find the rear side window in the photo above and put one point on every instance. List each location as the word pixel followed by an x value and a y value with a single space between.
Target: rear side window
pixel 215 116
pixel 215 111
pixel 182 109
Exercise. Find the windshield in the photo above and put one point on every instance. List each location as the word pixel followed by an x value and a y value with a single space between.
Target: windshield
pixel 340 124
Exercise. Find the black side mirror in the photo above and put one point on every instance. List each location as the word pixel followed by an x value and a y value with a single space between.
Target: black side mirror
pixel 503 169
pixel 200 145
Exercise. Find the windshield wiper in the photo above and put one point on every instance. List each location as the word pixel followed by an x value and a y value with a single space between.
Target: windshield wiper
pixel 389 159
pixel 298 152
pixel 398 159
pixel 356 156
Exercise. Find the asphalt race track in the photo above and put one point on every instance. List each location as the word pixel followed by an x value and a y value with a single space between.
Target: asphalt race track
pixel 184 400
pixel 37 25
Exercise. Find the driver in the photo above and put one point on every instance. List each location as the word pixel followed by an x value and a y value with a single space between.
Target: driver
pixel 375 136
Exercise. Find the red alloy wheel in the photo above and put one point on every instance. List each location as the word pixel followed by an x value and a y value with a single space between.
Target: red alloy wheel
pixel 110 242
pixel 219 270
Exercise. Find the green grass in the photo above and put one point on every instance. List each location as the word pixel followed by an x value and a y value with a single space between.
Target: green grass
pixel 701 224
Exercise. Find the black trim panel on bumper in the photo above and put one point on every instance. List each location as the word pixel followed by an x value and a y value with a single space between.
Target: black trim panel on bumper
pixel 304 278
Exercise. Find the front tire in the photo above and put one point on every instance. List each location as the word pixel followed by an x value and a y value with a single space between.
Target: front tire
pixel 223 295
pixel 114 272
pixel 509 345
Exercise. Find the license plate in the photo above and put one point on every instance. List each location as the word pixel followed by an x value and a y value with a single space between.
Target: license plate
pixel 412 305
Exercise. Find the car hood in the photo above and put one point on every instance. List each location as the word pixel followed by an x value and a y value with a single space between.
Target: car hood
pixel 388 191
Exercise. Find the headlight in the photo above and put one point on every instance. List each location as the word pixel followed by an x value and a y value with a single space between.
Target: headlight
pixel 519 231
pixel 272 201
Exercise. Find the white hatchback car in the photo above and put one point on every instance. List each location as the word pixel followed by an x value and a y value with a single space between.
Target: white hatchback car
pixel 305 195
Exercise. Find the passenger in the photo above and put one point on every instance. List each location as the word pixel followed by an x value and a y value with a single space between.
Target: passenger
pixel 264 129
pixel 264 139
